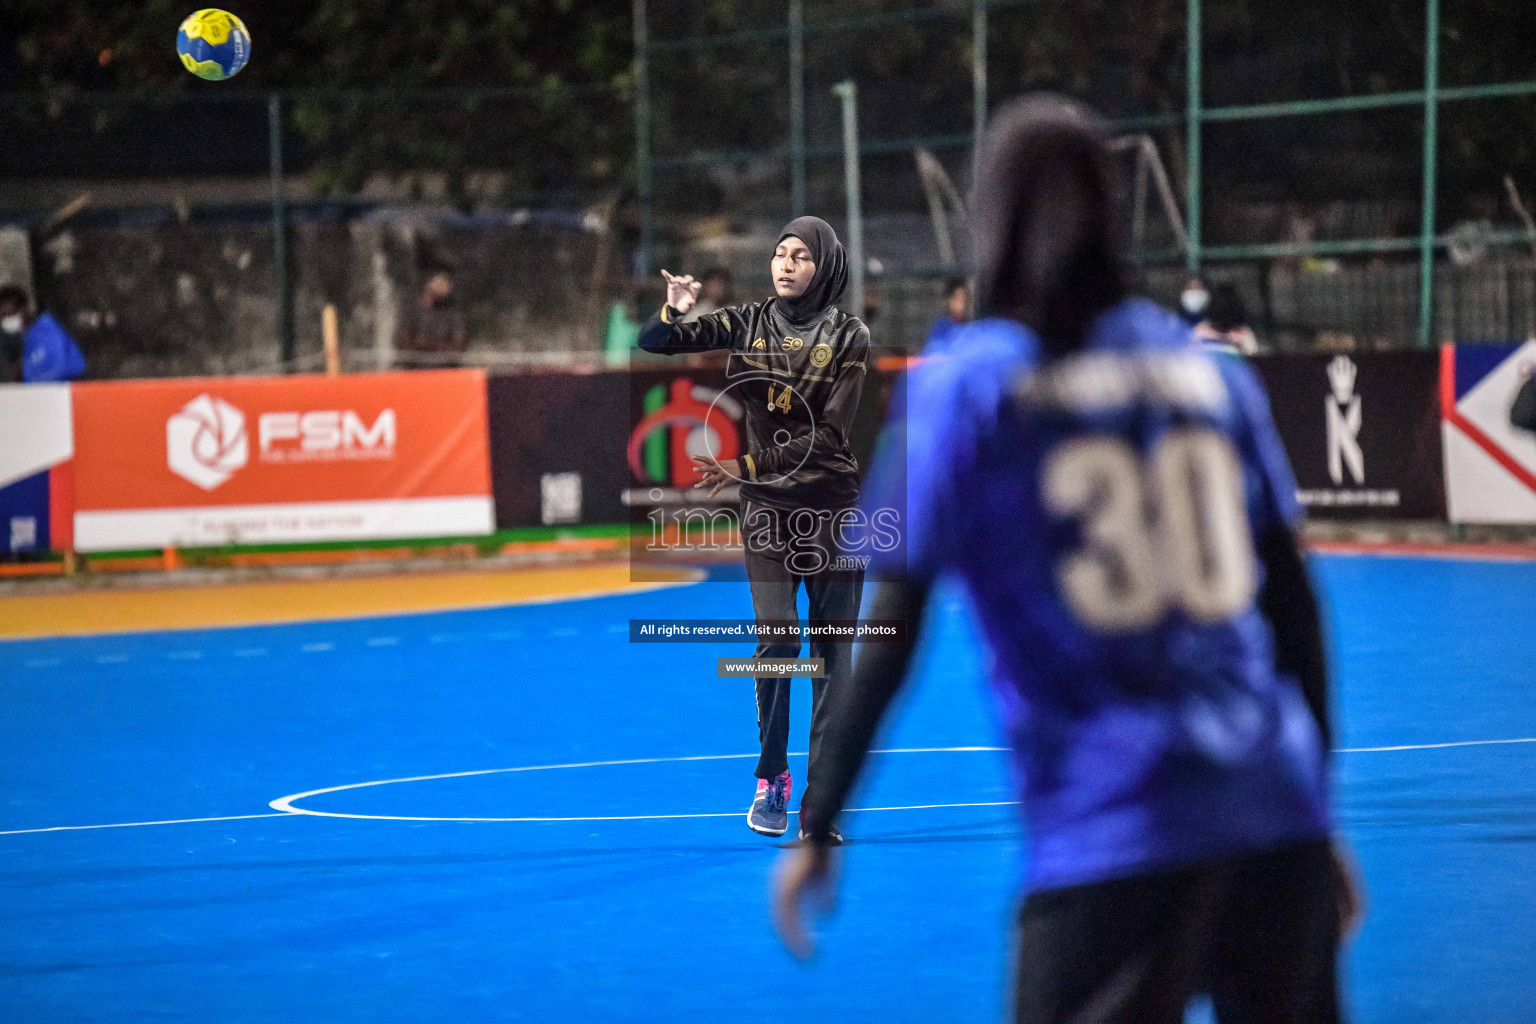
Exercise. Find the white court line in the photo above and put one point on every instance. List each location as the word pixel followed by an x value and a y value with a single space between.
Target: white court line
pixel 628 817
pixel 1432 746
pixel 285 803
pixel 282 806
pixel 136 824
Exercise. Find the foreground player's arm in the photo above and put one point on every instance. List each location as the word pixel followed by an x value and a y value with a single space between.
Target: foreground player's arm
pixel 834 422
pixel 664 333
pixel 923 455
pixel 1290 604
pixel 855 711
pixel 1287 599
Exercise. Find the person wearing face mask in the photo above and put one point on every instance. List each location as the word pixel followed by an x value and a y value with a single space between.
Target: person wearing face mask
pixel 1224 330
pixel 1194 300
pixel 37 350
pixel 797 364
pixel 13 333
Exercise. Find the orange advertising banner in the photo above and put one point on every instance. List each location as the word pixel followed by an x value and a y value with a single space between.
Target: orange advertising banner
pixel 210 461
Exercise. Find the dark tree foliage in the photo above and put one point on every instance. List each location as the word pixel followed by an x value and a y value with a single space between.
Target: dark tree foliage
pixel 1125 56
pixel 566 126
pixel 331 43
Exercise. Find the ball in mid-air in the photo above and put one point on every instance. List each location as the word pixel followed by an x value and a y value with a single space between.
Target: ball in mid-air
pixel 213 44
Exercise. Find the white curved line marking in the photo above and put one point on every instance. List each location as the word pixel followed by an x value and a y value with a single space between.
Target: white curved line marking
pixel 136 824
pixel 286 803
pixel 283 805
pixel 630 817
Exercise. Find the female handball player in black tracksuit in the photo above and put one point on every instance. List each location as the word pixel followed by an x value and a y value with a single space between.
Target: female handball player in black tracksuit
pixel 797 364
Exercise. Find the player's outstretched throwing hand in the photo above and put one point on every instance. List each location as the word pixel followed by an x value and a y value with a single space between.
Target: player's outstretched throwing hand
pixel 682 292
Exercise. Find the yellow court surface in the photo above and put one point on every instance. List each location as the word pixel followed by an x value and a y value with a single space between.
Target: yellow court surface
pixel 244 604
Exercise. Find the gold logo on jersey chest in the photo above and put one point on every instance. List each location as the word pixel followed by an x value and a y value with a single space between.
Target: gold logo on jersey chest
pixel 759 345
pixel 793 344
pixel 821 355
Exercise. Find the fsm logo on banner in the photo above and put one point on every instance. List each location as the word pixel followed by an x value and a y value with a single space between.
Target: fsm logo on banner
pixel 1344 419
pixel 206 442
pixel 325 435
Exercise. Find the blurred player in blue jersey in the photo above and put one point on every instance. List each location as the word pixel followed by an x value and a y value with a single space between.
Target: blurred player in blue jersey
pixel 1121 510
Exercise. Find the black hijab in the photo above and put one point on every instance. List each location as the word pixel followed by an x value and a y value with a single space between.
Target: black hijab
pixel 831 275
pixel 1046 248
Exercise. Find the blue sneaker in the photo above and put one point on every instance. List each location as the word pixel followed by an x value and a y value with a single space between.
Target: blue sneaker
pixel 769 815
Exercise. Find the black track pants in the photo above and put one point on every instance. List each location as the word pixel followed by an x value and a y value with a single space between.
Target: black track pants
pixel 775 583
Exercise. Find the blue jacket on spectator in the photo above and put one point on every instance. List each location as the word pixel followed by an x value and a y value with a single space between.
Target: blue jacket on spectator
pixel 49 354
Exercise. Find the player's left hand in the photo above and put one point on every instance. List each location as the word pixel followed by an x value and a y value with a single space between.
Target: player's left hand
pixel 1351 893
pixel 716 474
pixel 805 874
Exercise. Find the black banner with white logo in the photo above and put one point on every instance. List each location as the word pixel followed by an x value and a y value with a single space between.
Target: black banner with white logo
pixel 1362 430
pixel 557 448
pixel 609 447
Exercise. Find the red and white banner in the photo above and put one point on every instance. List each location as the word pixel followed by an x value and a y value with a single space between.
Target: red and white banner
pixel 207 462
pixel 1490 464
pixel 36 448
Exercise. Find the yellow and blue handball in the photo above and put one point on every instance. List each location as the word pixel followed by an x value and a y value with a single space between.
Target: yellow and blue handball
pixel 213 44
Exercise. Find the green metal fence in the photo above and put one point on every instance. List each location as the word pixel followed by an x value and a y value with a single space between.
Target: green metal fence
pixel 1195 118
pixel 549 139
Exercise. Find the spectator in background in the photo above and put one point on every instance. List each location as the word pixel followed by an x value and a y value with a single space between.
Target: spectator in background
pixel 437 335
pixel 13 333
pixel 1225 327
pixel 715 292
pixel 34 350
pixel 957 312
pixel 621 335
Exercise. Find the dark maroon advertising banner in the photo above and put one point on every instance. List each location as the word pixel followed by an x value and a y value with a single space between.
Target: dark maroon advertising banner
pixel 1362 430
pixel 609 447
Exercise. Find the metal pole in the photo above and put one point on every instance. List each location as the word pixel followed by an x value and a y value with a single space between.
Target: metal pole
pixel 1192 129
pixel 280 278
pixel 1431 132
pixel 978 83
pixel 643 140
pixel 848 93
pixel 797 108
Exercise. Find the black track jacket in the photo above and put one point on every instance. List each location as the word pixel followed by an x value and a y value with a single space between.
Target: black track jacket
pixel 800 385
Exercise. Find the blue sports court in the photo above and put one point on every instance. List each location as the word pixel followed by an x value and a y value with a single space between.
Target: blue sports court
pixel 515 814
